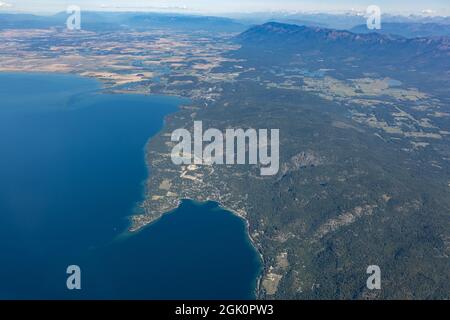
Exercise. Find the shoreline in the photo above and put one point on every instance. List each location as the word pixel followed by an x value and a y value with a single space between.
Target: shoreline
pixel 131 230
pixel 256 246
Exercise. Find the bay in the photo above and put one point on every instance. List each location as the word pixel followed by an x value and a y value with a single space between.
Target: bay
pixel 71 173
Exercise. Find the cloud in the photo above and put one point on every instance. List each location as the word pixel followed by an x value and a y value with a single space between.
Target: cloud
pixel 428 11
pixel 142 8
pixel 5 5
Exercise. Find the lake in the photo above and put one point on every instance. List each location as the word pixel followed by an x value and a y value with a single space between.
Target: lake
pixel 72 171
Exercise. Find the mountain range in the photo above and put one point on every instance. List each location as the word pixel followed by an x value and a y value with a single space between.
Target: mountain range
pixel 109 21
pixel 425 61
pixel 408 30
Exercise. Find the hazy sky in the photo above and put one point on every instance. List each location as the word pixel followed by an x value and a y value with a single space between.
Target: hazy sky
pixel 435 7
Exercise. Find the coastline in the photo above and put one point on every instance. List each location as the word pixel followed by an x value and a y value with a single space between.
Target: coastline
pixel 136 227
pixel 256 247
pixel 133 228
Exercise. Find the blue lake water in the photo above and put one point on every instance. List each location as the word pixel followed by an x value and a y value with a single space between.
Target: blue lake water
pixel 71 172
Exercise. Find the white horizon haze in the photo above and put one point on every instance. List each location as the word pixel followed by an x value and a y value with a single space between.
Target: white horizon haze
pixel 229 7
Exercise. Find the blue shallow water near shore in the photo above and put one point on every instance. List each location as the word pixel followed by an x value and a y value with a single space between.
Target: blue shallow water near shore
pixel 71 171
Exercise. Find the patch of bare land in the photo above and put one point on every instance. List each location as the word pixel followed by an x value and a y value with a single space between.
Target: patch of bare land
pixel 124 61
